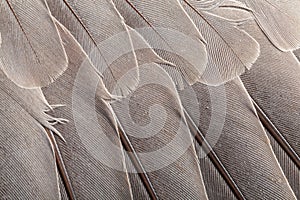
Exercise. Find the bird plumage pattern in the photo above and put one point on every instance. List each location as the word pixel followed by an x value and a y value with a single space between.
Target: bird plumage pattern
pixel 156 99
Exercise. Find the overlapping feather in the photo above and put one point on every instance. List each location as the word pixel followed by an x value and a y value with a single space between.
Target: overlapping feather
pixel 80 88
pixel 104 52
pixel 32 54
pixel 176 38
pixel 227 58
pixel 27 163
pixel 102 33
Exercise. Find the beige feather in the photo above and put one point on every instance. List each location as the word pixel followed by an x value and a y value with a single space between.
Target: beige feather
pixel 176 38
pixel 230 50
pixel 31 54
pixel 99 29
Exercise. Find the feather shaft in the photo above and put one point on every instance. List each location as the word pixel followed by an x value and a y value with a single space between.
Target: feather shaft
pixel 277 135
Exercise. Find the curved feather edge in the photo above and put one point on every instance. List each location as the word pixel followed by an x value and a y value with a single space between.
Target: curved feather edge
pixel 266 169
pixel 21 46
pixel 206 4
pixel 297 54
pixel 145 54
pixel 88 124
pixel 24 139
pixel 227 58
pixel 91 123
pixel 152 76
pixel 175 39
pixel 272 17
pixel 268 89
pixel 277 95
pixel 99 40
pixel 233 10
pixel 236 178
pixel 243 147
pixel 110 98
pixel 165 140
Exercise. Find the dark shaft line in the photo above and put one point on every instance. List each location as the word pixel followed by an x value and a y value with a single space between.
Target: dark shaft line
pixel 61 167
pixel 137 163
pixel 213 157
pixel 267 123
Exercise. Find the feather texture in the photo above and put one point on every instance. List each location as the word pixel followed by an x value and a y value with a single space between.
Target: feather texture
pixel 265 71
pixel 176 38
pixel 153 118
pixel 32 54
pixel 157 101
pixel 243 147
pixel 99 29
pixel 280 103
pixel 273 16
pixel 226 59
pixel 206 4
pixel 85 170
pixel 26 153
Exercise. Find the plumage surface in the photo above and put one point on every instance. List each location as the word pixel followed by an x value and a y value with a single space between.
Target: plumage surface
pixel 82 79
pixel 157 108
pixel 189 99
pixel 99 29
pixel 243 148
pixel 26 155
pixel 168 36
pixel 280 103
pixel 30 58
pixel 273 16
pixel 227 58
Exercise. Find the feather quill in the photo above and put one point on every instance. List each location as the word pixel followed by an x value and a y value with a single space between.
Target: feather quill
pixel 273 17
pixel 153 118
pixel 230 50
pixel 101 31
pixel 25 150
pixel 275 101
pixel 141 146
pixel 176 38
pixel 183 167
pixel 148 61
pixel 243 148
pixel 281 101
pixel 76 88
pixel 32 54
pixel 230 154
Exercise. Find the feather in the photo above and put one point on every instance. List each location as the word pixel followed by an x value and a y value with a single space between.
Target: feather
pixel 233 10
pixel 153 119
pixel 25 150
pixel 297 54
pixel 281 101
pixel 244 158
pixel 99 28
pixel 206 4
pixel 236 180
pixel 184 166
pixel 288 166
pixel 28 34
pixel 144 52
pixel 227 58
pixel 148 60
pixel 175 39
pixel 172 135
pixel 273 179
pixel 80 89
pixel 276 101
pixel 273 17
pixel 243 146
